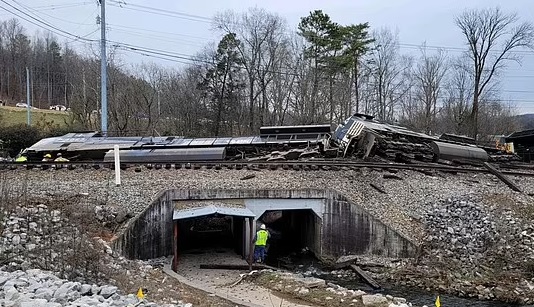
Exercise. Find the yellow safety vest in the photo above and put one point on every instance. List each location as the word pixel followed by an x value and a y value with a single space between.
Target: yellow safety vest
pixel 21 159
pixel 261 237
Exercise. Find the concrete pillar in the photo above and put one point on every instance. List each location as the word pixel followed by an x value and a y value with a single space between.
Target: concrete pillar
pixel 251 248
pixel 175 247
pixel 249 235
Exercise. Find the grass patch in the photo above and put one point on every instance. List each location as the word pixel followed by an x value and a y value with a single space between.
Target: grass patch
pixel 11 116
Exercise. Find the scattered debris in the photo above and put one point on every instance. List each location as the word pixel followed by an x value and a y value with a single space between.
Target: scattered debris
pixel 391 176
pixel 502 177
pixel 366 277
pixel 379 189
pixel 247 177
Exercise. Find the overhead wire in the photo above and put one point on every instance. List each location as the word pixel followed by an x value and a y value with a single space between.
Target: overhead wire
pixel 37 12
pixel 161 12
pixel 40 23
pixel 158 32
pixel 61 6
pixel 159 37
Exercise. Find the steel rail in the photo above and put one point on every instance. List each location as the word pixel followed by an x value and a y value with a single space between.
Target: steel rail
pixel 310 165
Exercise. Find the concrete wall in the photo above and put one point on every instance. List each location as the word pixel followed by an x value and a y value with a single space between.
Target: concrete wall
pixel 344 228
pixel 350 230
pixel 150 234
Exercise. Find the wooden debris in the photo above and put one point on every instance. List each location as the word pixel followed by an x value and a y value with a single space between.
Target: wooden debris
pixel 424 171
pixel 379 189
pixel 502 177
pixel 237 267
pixel 247 177
pixel 391 176
pixel 244 277
pixel 366 277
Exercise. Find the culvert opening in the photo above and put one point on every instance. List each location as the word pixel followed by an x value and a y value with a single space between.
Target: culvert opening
pixel 212 233
pixel 294 234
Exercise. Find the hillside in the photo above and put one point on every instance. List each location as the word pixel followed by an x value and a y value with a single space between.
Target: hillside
pixel 526 121
pixel 10 116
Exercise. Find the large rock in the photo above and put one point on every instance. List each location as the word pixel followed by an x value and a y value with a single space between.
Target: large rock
pixel 38 303
pixel 85 289
pixel 108 291
pixel 312 282
pixel 374 300
pixel 44 293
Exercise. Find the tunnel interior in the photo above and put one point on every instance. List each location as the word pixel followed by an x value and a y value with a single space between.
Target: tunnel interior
pixel 294 233
pixel 211 233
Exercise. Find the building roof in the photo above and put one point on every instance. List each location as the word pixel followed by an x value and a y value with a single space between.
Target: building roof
pixel 209 210
pixel 521 135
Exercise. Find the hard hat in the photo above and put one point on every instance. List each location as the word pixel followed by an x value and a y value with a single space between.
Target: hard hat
pixel 48 156
pixel 262 226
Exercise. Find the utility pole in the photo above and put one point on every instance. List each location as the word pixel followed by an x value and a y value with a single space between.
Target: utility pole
pixel 159 105
pixel 103 68
pixel 28 104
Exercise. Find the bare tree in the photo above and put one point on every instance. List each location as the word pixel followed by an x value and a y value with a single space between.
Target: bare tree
pixel 491 36
pixel 390 80
pixel 428 75
pixel 458 97
pixel 261 35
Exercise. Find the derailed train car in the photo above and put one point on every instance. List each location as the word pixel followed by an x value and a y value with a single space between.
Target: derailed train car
pixel 359 136
pixel 363 136
pixel 92 146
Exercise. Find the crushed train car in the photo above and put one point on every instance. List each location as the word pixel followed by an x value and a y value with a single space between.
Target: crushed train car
pixel 363 136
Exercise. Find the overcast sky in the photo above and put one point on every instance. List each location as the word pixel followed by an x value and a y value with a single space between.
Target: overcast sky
pixel 417 21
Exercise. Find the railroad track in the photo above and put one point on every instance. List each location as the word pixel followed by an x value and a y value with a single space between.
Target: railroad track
pixel 315 165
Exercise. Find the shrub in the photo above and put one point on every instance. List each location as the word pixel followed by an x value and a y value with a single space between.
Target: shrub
pixel 19 137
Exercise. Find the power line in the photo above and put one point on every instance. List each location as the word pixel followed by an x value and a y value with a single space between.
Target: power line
pixel 458 49
pixel 156 56
pixel 209 20
pixel 37 12
pixel 160 12
pixel 41 23
pixel 160 32
pixel 60 6
pixel 160 38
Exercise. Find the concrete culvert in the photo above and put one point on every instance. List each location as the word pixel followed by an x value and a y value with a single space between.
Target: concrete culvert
pixel 292 231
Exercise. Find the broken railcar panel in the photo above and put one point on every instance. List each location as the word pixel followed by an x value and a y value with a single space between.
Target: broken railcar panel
pixel 169 155
pixel 349 135
pixel 448 151
pixel 291 130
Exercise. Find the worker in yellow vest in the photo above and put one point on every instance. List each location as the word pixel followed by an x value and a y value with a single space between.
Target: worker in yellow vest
pixel 21 158
pixel 260 241
pixel 60 158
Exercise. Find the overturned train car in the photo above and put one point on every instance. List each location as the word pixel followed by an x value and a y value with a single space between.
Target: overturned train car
pixel 363 136
pixel 92 146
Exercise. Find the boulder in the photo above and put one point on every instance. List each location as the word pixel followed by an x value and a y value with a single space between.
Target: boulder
pixel 312 282
pixel 108 291
pixel 374 300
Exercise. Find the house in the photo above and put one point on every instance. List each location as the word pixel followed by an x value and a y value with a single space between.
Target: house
pixel 58 107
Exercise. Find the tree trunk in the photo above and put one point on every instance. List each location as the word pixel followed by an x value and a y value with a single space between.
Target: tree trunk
pixel 356 89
